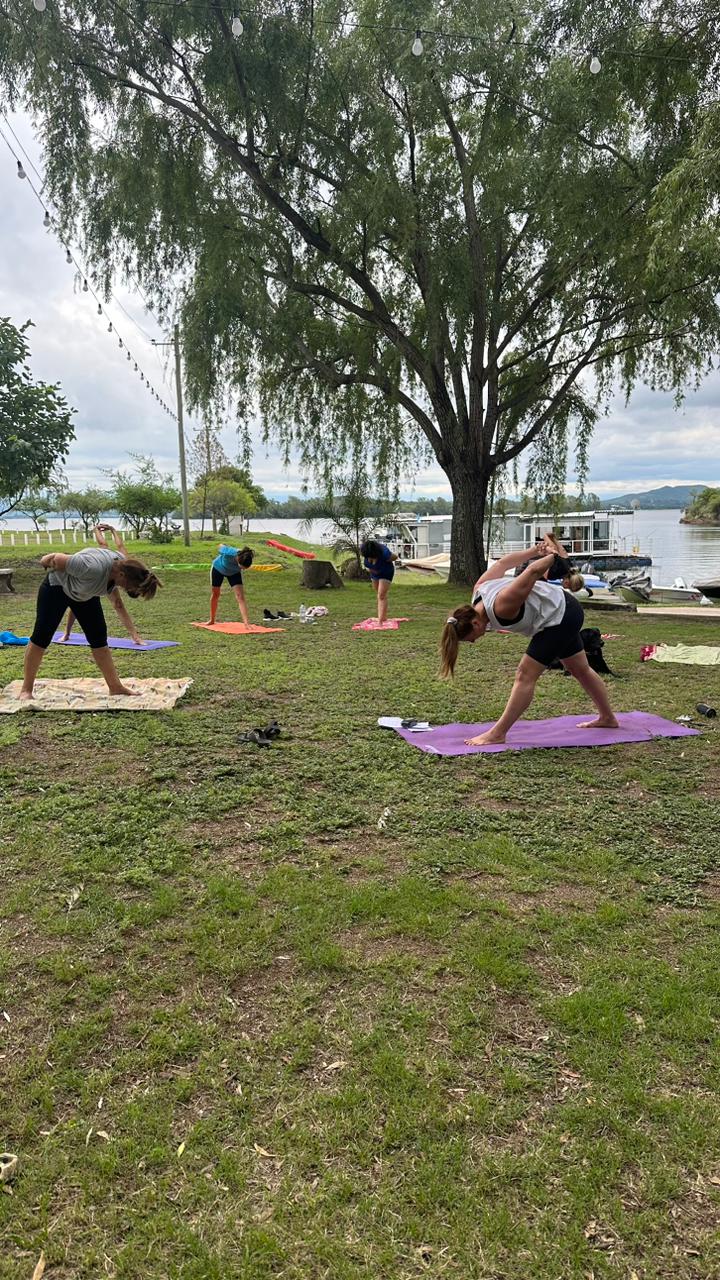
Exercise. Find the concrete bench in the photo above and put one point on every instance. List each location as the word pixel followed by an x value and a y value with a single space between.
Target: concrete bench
pixel 6 585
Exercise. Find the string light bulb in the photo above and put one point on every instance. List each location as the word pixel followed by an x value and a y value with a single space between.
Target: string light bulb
pixel 85 286
pixel 120 342
pixel 595 65
pixel 129 356
pixel 110 327
pixel 99 308
pixel 236 26
pixel 46 219
pixel 68 256
pixel 20 171
pixel 417 45
pixel 135 369
pixel 40 5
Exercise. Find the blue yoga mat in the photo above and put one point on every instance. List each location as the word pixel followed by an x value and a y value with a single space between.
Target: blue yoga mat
pixel 119 642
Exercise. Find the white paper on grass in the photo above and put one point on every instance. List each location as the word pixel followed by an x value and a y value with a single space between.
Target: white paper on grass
pixel 395 722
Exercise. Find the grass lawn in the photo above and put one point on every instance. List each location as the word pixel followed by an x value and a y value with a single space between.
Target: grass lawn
pixel 341 1009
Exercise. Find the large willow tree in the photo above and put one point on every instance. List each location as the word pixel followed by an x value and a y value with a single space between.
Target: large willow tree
pixel 449 253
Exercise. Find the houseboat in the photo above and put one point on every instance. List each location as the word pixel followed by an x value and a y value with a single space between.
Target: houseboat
pixel 591 538
pixel 414 537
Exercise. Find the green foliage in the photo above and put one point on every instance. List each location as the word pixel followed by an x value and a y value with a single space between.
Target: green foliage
pixel 350 507
pixel 222 498
pixel 419 257
pixel 145 499
pixel 35 422
pixel 38 505
pixel 705 506
pixel 88 504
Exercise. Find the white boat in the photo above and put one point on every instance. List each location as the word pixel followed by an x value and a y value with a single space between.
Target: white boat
pixel 439 564
pixel 639 589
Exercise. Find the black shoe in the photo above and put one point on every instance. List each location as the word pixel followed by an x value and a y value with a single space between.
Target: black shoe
pixel 282 614
pixel 271 617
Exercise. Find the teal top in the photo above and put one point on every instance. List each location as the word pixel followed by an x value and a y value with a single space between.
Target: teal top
pixel 226 561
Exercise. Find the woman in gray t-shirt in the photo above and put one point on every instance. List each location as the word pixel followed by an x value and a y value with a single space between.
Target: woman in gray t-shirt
pixel 77 582
pixel 531 606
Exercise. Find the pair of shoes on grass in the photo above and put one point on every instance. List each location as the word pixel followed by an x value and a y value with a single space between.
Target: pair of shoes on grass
pixel 262 737
pixel 275 617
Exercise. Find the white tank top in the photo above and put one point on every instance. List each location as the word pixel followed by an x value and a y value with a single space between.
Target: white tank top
pixel 544 607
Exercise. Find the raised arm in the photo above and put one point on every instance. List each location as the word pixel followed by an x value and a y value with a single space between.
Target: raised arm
pixel 510 561
pixel 100 531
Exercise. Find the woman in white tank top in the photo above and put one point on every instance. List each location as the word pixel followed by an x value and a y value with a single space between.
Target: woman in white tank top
pixel 531 606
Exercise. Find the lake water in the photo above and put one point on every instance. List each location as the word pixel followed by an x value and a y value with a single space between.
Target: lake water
pixel 677 550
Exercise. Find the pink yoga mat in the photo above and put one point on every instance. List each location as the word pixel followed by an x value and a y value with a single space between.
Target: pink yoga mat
pixel 564 731
pixel 372 624
pixel 118 642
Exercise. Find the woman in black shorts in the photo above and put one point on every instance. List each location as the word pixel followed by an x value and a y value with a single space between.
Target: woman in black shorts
pixel 533 607
pixel 229 564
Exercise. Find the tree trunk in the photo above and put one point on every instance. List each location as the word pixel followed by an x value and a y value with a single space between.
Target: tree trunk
pixel 320 573
pixel 468 553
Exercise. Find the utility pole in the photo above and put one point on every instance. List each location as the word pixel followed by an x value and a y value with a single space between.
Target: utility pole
pixel 181 434
pixel 181 438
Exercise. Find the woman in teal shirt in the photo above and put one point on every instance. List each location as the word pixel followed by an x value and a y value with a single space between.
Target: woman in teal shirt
pixel 229 563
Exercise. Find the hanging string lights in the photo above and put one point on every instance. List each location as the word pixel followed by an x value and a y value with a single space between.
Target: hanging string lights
pixel 80 276
pixel 417 48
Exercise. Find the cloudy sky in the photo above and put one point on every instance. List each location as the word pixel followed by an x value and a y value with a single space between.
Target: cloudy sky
pixel 637 446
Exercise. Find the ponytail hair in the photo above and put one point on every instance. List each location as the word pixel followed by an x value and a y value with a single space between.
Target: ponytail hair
pixel 139 580
pixel 245 557
pixel 459 626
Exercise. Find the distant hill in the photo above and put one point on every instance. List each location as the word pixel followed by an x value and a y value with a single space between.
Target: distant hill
pixel 673 496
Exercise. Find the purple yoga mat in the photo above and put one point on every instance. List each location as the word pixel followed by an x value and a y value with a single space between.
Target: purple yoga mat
pixel 564 731
pixel 118 642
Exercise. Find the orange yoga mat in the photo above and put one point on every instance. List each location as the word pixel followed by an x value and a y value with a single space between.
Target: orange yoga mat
pixel 235 628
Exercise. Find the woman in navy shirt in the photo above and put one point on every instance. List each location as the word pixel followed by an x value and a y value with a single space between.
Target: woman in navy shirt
pixel 229 563
pixel 380 564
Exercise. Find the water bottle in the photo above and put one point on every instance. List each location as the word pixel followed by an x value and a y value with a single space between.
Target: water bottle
pixel 703 709
pixel 303 611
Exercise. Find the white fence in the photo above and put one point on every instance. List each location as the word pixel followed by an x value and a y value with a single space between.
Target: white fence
pixel 64 537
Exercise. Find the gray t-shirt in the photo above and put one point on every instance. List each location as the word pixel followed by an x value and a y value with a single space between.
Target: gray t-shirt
pixel 87 573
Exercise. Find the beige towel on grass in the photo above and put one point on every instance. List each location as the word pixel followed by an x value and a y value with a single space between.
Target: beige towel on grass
pixel 92 695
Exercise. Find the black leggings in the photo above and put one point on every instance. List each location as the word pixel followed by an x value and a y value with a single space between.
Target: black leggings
pixel 51 605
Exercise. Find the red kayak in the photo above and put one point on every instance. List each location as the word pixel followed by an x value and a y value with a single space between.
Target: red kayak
pixel 292 551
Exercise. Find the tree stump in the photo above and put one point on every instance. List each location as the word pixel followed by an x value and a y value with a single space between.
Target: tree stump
pixel 320 573
pixel 6 585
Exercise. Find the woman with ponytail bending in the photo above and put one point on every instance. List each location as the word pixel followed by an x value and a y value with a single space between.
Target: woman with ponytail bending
pixel 532 606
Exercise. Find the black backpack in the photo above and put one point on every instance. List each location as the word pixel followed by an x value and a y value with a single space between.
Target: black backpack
pixel 593 644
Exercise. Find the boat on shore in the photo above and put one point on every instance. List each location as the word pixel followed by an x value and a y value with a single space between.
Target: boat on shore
pixel 638 588
pixel 710 589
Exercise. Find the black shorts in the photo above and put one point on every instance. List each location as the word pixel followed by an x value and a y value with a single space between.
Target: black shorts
pixel 51 606
pixel 561 641
pixel 217 578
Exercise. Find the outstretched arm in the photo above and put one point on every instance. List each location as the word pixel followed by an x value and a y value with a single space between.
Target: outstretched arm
pixel 510 561
pixel 511 599
pixel 118 605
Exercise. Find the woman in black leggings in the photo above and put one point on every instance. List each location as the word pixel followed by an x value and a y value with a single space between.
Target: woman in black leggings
pixel 76 582
pixel 542 610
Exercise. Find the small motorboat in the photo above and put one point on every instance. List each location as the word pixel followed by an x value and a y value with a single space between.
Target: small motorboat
pixel 638 588
pixel 710 589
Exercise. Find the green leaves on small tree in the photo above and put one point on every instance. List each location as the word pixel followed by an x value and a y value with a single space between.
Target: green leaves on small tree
pixel 35 421
pixel 352 509
pixel 222 499
pixel 87 504
pixel 145 499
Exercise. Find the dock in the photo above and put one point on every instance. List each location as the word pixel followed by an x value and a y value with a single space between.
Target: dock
pixel 698 613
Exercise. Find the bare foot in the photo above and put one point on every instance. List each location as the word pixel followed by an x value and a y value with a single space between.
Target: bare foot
pixel 25 695
pixel 602 722
pixel 123 689
pixel 210 622
pixel 489 738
